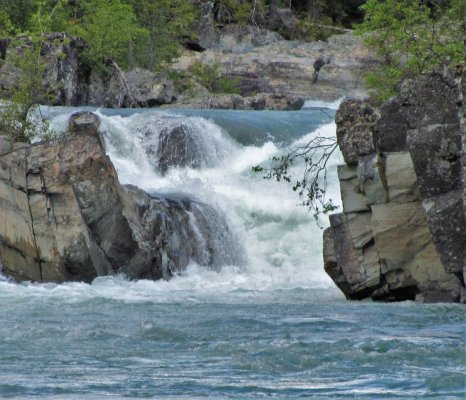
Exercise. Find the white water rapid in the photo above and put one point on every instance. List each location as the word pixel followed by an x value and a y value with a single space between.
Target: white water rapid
pixel 280 242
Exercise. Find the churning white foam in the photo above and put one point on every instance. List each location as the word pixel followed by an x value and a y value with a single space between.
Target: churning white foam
pixel 322 104
pixel 280 239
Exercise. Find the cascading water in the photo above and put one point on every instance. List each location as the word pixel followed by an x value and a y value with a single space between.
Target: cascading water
pixel 279 244
pixel 208 155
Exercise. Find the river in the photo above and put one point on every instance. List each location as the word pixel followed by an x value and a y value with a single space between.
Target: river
pixel 272 326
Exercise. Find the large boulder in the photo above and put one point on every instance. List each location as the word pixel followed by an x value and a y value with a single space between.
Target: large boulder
pixel 172 230
pixel 43 236
pixel 178 148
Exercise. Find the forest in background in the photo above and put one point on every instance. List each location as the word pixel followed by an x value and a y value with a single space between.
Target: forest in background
pixel 152 32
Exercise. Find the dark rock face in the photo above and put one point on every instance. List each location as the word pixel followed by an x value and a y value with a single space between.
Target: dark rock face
pixel 61 54
pixel 391 128
pixel 174 230
pixel 65 217
pixel 205 29
pixel 69 82
pixel 355 123
pixel 177 148
pixel 410 240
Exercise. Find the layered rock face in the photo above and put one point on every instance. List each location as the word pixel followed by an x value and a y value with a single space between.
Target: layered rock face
pixel 269 72
pixel 65 217
pixel 402 233
pixel 281 74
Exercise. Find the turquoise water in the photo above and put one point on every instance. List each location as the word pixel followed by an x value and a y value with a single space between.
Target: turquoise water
pixel 275 327
pixel 119 339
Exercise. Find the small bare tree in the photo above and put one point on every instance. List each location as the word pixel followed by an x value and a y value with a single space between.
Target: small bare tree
pixel 311 185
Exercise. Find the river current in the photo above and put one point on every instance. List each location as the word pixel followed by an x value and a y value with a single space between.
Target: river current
pixel 273 327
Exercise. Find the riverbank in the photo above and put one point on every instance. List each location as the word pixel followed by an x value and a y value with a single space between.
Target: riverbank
pixel 263 74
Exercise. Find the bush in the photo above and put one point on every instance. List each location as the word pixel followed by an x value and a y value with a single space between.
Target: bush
pixel 210 76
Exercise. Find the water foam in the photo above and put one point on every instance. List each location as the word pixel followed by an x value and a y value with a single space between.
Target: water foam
pixel 282 244
pixel 322 104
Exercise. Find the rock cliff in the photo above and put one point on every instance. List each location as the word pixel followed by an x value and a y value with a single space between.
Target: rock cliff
pixel 281 74
pixel 402 233
pixel 64 216
pixel 68 81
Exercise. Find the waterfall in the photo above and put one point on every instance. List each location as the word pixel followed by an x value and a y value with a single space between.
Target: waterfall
pixel 249 231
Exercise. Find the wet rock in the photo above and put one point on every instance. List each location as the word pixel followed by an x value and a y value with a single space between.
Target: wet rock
pixel 178 148
pixel 65 217
pixel 173 230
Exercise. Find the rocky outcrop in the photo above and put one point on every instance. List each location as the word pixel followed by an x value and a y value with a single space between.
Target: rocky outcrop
pixel 270 72
pixel 61 56
pixel 69 81
pixel 402 233
pixel 65 217
pixel 287 68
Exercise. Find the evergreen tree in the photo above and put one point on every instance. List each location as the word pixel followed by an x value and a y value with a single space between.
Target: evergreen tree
pixel 167 22
pixel 109 28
